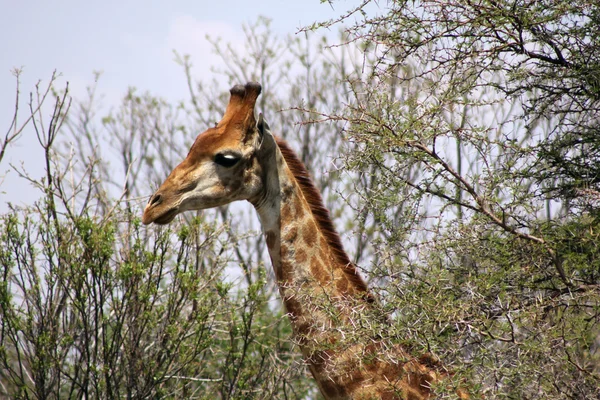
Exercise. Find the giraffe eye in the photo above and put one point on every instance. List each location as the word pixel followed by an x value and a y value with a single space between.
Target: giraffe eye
pixel 226 160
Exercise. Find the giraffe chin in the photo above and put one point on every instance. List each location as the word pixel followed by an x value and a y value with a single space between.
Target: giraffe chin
pixel 166 217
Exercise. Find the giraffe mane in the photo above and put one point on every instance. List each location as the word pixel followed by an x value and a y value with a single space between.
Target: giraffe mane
pixel 321 215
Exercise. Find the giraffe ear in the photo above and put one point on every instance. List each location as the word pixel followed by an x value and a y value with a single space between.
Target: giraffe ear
pixel 262 125
pixel 266 139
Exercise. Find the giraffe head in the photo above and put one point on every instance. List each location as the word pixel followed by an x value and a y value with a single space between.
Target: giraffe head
pixel 225 163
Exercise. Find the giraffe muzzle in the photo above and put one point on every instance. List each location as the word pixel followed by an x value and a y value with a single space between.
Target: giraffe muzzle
pixel 157 214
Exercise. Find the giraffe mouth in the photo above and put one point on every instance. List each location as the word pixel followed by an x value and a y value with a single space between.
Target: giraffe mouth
pixel 166 217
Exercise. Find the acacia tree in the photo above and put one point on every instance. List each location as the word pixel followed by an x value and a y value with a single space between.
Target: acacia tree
pixel 478 125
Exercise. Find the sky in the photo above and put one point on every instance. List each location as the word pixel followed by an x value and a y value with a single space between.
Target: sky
pixel 131 42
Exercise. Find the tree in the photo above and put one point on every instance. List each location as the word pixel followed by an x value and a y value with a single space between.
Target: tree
pixel 478 123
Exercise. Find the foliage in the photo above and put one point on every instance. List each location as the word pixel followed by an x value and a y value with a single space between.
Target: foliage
pixel 456 147
pixel 477 123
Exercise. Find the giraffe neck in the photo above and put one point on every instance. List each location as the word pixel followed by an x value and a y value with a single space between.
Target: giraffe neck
pixel 319 286
pixel 305 251
pixel 323 293
pixel 299 251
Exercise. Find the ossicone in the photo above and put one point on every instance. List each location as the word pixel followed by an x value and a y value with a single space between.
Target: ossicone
pixel 240 109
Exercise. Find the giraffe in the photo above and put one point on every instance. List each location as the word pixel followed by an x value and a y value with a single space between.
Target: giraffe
pixel 322 291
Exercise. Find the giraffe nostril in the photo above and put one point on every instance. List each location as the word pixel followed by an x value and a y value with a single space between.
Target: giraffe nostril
pixel 155 199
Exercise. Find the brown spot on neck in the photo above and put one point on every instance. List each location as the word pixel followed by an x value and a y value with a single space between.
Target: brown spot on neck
pixel 310 235
pixel 301 256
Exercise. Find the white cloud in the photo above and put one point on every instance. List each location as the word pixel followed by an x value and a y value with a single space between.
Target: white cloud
pixel 188 36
